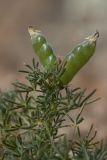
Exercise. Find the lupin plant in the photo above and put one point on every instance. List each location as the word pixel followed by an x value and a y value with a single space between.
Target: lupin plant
pixel 32 114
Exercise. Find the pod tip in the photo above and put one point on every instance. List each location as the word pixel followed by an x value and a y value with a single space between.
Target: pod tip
pixel 96 34
pixel 94 37
pixel 32 31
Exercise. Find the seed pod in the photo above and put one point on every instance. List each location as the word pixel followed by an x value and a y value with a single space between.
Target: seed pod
pixel 42 49
pixel 77 58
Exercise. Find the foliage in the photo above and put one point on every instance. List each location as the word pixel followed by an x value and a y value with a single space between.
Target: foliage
pixel 32 114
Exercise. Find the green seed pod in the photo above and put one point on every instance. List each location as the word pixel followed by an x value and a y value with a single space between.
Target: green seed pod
pixel 42 49
pixel 77 58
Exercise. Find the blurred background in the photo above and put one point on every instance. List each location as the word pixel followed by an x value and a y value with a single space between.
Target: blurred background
pixel 65 23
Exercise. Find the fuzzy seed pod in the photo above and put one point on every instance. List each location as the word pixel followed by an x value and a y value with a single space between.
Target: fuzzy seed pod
pixel 77 58
pixel 42 48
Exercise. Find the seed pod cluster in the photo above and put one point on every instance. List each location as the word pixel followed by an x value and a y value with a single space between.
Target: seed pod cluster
pixel 72 62
pixel 78 57
pixel 42 48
